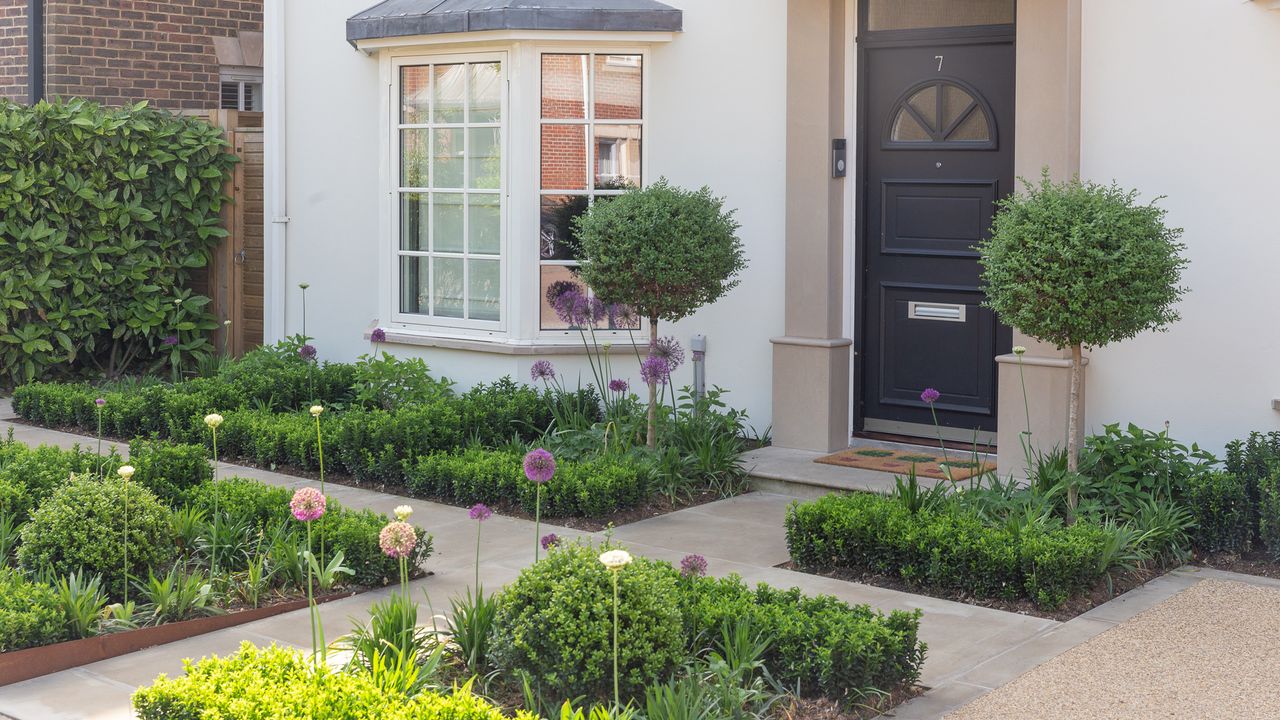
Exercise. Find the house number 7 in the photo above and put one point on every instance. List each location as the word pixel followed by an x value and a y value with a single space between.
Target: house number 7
pixel 939 59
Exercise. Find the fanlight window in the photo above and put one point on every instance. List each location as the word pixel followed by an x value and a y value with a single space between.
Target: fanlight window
pixel 942 112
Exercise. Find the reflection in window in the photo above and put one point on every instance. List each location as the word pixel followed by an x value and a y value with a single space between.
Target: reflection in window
pixel 919 14
pixel 941 112
pixel 591 149
pixel 450 209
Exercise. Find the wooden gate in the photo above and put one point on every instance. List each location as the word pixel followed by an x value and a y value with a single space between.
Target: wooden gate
pixel 236 273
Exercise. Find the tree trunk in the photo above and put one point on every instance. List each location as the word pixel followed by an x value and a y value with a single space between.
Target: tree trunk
pixel 1073 425
pixel 653 388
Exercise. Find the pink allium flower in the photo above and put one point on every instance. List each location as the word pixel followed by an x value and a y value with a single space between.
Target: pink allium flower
pixel 619 386
pixel 307 504
pixel 930 395
pixel 693 566
pixel 480 512
pixel 539 466
pixel 397 539
pixel 378 335
pixel 549 540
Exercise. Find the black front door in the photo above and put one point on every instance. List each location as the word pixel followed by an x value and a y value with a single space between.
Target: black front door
pixel 937 149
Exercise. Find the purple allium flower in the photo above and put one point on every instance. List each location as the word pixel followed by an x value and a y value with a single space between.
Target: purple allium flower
pixel 539 466
pixel 397 539
pixel 560 287
pixel 575 308
pixel 100 402
pixel 170 340
pixel 930 395
pixel 307 352
pixel 693 566
pixel 654 370
pixel 668 349
pixel 619 386
pixel 623 317
pixel 307 504
pixel 480 512
pixel 378 335
pixel 549 540
pixel 542 370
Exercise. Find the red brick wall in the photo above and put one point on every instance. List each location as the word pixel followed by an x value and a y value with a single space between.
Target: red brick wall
pixel 13 49
pixel 118 52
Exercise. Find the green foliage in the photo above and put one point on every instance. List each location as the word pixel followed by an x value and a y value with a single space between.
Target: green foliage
pixel 555 622
pixel 1255 461
pixel 30 614
pixel 259 504
pixel 30 475
pixel 592 488
pixel 169 469
pixel 1076 263
pixel 78 529
pixel 662 250
pixel 279 684
pixel 821 645
pixel 388 382
pixel 177 595
pixel 470 627
pixel 105 215
pixel 948 549
pixel 1125 467
pixel 82 600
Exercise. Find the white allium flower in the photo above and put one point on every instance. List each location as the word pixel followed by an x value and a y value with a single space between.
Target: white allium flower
pixel 1019 350
pixel 402 512
pixel 125 471
pixel 316 410
pixel 213 420
pixel 615 559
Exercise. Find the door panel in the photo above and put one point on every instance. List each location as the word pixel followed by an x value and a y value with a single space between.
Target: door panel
pixel 938 152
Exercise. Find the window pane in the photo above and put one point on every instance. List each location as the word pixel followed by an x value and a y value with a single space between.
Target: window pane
pixel 413 221
pixel 413 158
pixel 617 156
pixel 617 87
pixel 486 93
pixel 564 157
pixel 557 239
pixel 451 88
pixel 907 129
pixel 413 285
pixel 555 279
pixel 447 289
pixel 486 158
pixel 448 157
pixel 916 14
pixel 484 286
pixel 415 93
pixel 564 86
pixel 486 224
pixel 447 226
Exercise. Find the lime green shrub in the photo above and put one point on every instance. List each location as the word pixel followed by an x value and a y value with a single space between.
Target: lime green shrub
pixel 279 684
pixel 30 475
pixel 30 615
pixel 555 622
pixel 79 529
pixel 105 217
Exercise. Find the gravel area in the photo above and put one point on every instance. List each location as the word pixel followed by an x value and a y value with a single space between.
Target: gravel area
pixel 1211 651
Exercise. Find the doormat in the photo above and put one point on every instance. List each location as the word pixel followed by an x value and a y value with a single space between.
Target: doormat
pixel 962 466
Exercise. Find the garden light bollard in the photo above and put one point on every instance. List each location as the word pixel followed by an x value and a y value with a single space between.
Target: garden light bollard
pixel 698 344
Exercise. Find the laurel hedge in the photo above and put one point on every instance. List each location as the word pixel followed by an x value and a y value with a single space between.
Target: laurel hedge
pixel 106 215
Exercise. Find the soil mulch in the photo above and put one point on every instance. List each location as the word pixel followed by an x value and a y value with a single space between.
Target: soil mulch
pixel 1077 605
pixel 1247 563
pixel 655 506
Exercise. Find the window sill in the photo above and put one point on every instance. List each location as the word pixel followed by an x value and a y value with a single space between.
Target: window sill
pixel 497 347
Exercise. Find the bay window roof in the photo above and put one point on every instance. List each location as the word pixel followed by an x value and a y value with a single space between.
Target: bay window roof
pixel 400 18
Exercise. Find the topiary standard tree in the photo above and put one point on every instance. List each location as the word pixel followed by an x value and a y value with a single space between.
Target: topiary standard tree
pixel 1077 263
pixel 662 250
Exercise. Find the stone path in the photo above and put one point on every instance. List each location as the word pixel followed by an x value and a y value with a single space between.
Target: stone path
pixel 971 649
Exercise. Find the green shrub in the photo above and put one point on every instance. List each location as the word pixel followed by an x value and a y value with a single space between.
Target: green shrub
pixel 373 445
pixel 169 470
pixel 257 503
pixel 497 413
pixel 555 622
pixel 79 529
pixel 30 475
pixel 29 613
pixel 821 645
pixel 1127 466
pixel 1255 460
pixel 108 216
pixel 946 549
pixel 280 684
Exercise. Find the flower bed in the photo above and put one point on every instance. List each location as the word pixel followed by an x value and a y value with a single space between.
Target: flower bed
pixel 388 422
pixel 90 546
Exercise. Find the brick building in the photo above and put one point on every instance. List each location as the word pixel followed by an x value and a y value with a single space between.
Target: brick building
pixel 181 55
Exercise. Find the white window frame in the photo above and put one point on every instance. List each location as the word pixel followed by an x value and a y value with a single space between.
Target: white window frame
pixel 394 154
pixel 570 336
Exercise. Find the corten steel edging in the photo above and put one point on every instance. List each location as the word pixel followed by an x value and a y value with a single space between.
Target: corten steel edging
pixel 33 662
